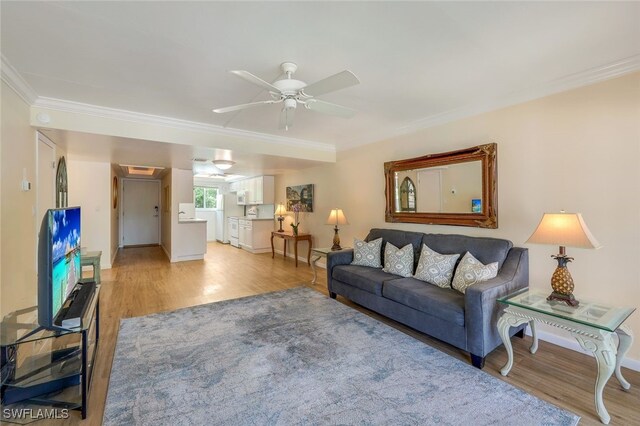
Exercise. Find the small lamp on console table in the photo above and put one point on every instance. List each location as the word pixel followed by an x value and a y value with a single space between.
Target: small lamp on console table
pixel 281 211
pixel 336 217
pixel 564 230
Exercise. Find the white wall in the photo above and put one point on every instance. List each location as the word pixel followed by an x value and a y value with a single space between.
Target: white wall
pixel 181 237
pixel 18 276
pixel 90 188
pixel 167 210
pixel 578 150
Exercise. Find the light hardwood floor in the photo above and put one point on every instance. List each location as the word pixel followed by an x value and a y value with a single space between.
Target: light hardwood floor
pixel 143 281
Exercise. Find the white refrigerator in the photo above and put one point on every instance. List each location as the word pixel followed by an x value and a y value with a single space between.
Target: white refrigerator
pixel 226 207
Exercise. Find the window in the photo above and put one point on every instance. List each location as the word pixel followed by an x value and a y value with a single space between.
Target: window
pixel 205 198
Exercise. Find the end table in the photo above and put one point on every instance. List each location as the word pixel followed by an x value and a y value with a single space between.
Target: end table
pixel 592 324
pixel 320 253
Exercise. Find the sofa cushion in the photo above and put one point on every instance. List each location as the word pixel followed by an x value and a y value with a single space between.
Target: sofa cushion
pixel 367 253
pixel 486 250
pixel 398 261
pixel 444 303
pixel 362 277
pixel 399 239
pixel 436 268
pixel 470 271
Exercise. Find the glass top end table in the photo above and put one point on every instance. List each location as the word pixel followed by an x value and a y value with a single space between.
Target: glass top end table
pixel 593 325
pixel 318 253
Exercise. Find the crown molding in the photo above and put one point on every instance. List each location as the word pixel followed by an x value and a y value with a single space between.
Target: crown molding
pixel 562 84
pixel 174 123
pixel 12 77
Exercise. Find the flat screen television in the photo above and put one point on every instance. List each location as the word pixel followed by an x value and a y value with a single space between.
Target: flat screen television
pixel 58 262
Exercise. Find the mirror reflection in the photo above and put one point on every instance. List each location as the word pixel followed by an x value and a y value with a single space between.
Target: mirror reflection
pixel 452 188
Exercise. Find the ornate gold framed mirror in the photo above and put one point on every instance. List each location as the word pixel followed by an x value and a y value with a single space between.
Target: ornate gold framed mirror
pixel 450 188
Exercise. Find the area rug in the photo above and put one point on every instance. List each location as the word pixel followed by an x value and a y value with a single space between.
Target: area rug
pixel 297 357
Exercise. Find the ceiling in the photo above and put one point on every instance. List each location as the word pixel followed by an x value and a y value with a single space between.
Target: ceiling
pixel 415 60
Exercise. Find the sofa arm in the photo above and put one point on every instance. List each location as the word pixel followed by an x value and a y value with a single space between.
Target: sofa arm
pixel 482 308
pixel 335 258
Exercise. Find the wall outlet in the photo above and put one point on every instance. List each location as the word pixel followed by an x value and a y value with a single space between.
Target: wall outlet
pixel 25 185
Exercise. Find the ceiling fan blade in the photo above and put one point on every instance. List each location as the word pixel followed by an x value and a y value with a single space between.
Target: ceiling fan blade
pixel 246 75
pixel 328 108
pixel 338 81
pixel 286 118
pixel 242 106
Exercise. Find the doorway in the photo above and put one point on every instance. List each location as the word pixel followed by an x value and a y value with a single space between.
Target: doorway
pixel 46 179
pixel 140 212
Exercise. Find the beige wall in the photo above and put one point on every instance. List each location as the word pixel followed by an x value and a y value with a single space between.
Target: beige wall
pixel 576 150
pixel 90 188
pixel 165 229
pixel 115 213
pixel 18 285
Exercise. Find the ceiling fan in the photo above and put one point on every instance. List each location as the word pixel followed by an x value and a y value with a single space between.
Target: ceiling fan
pixel 291 92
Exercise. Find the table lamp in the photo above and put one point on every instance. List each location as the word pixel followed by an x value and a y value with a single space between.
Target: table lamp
pixel 336 217
pixel 565 230
pixel 281 211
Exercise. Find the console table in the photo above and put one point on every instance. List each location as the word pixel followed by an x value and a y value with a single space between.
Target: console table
pixel 592 324
pixel 47 367
pixel 295 238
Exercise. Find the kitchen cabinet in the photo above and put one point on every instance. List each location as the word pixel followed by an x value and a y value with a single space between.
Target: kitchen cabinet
pixel 254 235
pixel 258 190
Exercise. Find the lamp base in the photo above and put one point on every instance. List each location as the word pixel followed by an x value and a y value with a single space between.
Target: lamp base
pixel 566 298
pixel 280 219
pixel 336 240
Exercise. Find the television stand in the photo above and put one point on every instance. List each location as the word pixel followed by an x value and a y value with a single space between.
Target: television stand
pixel 47 367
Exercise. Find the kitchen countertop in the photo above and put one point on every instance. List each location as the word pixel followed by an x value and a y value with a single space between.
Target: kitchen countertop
pixel 192 220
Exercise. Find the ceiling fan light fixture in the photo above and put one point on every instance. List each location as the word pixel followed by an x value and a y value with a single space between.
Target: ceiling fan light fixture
pixel 223 164
pixel 290 103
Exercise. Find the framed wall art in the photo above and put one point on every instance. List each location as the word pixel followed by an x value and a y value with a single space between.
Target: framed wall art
pixel 300 194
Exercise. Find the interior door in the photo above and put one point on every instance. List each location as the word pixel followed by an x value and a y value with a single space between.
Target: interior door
pixel 46 187
pixel 140 212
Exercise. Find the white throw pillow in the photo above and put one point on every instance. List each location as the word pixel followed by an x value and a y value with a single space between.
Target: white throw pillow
pixel 367 253
pixel 471 271
pixel 398 261
pixel 435 268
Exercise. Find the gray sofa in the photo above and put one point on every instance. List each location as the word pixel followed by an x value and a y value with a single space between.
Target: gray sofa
pixel 467 321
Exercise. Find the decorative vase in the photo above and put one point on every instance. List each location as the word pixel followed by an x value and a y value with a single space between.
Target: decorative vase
pixel 295 229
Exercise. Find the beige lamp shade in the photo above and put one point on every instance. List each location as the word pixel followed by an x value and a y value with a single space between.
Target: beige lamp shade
pixel 280 211
pixel 563 229
pixel 337 217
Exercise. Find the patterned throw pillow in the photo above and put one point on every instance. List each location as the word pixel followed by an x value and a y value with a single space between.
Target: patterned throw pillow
pixel 435 268
pixel 398 261
pixel 471 271
pixel 367 254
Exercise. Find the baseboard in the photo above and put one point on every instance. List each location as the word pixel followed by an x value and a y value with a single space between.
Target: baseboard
pixel 256 251
pixel 187 258
pixel 569 343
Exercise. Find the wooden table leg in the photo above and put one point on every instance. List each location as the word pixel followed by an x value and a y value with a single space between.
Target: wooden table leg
pixel 273 250
pixel 295 250
pixel 284 253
